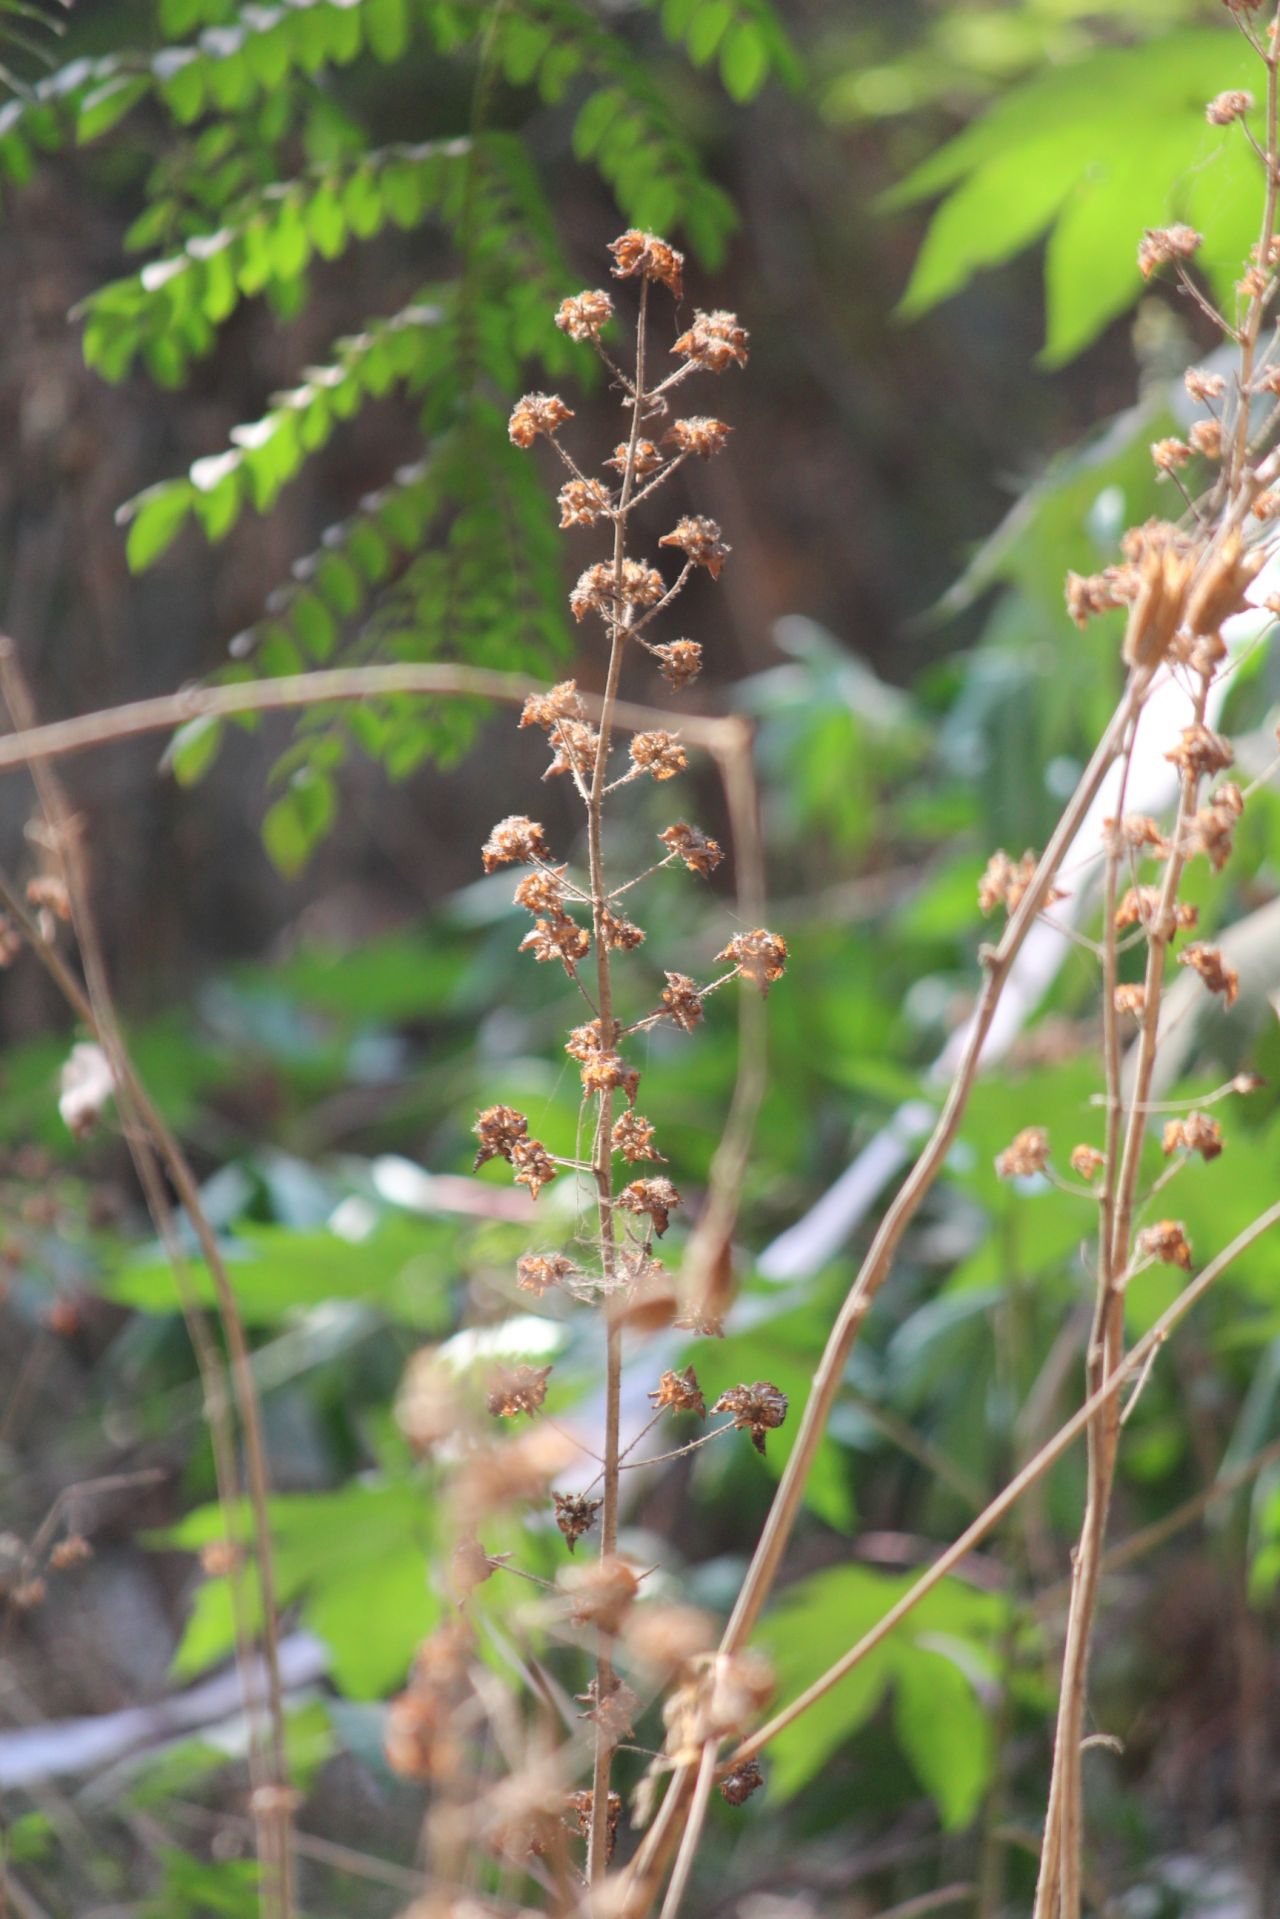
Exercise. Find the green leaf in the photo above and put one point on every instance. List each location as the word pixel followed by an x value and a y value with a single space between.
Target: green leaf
pixel 193 750
pixel 156 518
pixel 710 24
pixel 946 1732
pixel 386 26
pixel 297 822
pixel 101 109
pixel 744 61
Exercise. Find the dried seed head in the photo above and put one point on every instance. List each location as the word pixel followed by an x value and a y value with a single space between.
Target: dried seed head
pixel 1003 882
pixel 714 341
pixel 469 1567
pixel 1164 573
pixel 615 1713
pixel 599 1594
pixel 648 458
pixel 512 839
pixel 219 1558
pixel 1136 831
pixel 1087 1161
pixel 1220 590
pixel 700 854
pixel 641 586
pixel 1140 905
pixel 699 435
pixel 699 539
pixel 1211 831
pixel 1229 106
pixel 620 935
pixel 582 503
pixel 633 1138
pixel 681 1392
pixel 1197 1133
pixel 679 662
pixel 580 1805
pixel 1206 438
pixel 737 1786
pixel 645 254
pixel 69 1552
pixel 542 893
pixel 1089 594
pixel 1167 1242
pixel 758 956
pixel 1161 244
pixel 719 1700
pixel 584 315
pixel 1027 1154
pixel 562 702
pixel 657 1198
pixel 1130 999
pixel 756 1409
pixel 498 1129
pixel 537 413
pixel 573 746
pixel 534 1165
pixel 1208 962
pixel 575 1515
pixel 1266 506
pixel 647 1302
pixel 560 938
pixel 682 1001
pixel 609 1073
pixel 537 1272
pixel 517 1389
pixel 659 754
pixel 491 1478
pixel 1200 751
pixel 1170 454
pixel 583 1041
pixel 1203 385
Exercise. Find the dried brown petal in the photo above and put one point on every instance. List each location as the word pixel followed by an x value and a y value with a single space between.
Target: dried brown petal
pixel 542 892
pixel 1208 962
pixel 582 503
pixel 645 254
pixel 1200 751
pixel 655 1197
pixel 681 1392
pixel 1087 1161
pixel 534 1165
pixel 620 935
pixel 714 341
pixel 517 1389
pixel 700 854
pixel 1027 1154
pixel 699 435
pixel 562 702
pixel 659 754
pixel 1161 244
pixel 758 956
pixel 583 315
pixel 537 413
pixel 679 662
pixel 537 1272
pixel 575 1515
pixel 1197 1133
pixel 633 1138
pixel 737 1786
pixel 699 539
pixel 1167 1242
pixel 1130 999
pixel 498 1129
pixel 515 838
pixel 561 939
pixel 1229 106
pixel 599 1594
pixel 647 458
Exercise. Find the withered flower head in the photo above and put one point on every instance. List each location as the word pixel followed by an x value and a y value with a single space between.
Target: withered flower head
pixel 1003 882
pixel 1197 1133
pixel 583 315
pixel 1164 571
pixel 426 1404
pixel 719 1699
pixel 537 413
pixel 515 838
pixel 1213 970
pixel 559 938
pixel 681 1392
pixel 535 1272
pixel 737 1786
pixel 645 254
pixel 700 854
pixel 582 503
pixel 699 539
pixel 599 1594
pixel 679 662
pixel 1087 1161
pixel 1130 999
pixel 608 1073
pixel 756 1409
pixel 517 1389
pixel 758 956
pixel 1027 1154
pixel 1229 106
pixel 1167 1242
pixel 583 1041
pixel 573 746
pixel 1161 244
pixel 648 458
pixel 658 753
pixel 469 1567
pixel 615 1713
pixel 1206 438
pixel 1136 830
pixel 714 341
pixel 661 1638
pixel 682 1001
pixel 562 702
pixel 534 1165
pixel 542 893
pixel 580 1805
pixel 633 1138
pixel 699 435
pixel 1203 385
pixel 499 1129
pixel 493 1477
pixel 1141 905
pixel 641 586
pixel 655 1197
pixel 69 1552
pixel 1220 590
pixel 1170 454
pixel 620 935
pixel 575 1515
pixel 1089 594
pixel 1211 829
